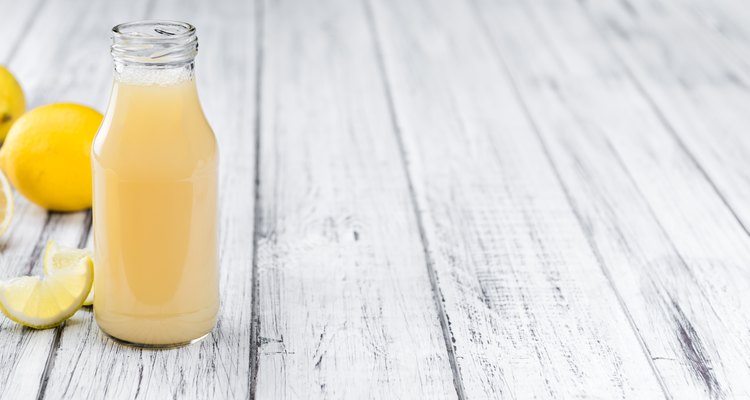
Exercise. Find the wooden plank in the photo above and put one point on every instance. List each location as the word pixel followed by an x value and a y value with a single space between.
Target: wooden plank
pixel 52 65
pixel 531 313
pixel 695 82
pixel 345 304
pixel 635 190
pixel 700 89
pixel 726 19
pixel 16 20
pixel 88 365
pixel 719 33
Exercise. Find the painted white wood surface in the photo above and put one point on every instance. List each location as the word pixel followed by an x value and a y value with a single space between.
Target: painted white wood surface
pixel 479 199
pixel 621 164
pixel 696 88
pixel 532 314
pixel 345 305
pixel 17 20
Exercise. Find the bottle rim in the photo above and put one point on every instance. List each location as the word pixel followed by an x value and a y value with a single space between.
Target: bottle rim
pixel 154 42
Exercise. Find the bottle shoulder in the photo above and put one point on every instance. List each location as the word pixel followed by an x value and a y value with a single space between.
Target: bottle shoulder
pixel 159 127
pixel 137 146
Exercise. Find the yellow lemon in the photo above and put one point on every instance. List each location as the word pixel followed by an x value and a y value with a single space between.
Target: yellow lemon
pixel 47 155
pixel 12 101
pixel 45 302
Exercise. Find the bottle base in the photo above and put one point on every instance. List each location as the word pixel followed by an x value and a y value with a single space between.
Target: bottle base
pixel 152 346
pixel 157 331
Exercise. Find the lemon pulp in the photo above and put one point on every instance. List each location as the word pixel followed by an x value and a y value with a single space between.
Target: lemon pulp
pixel 56 259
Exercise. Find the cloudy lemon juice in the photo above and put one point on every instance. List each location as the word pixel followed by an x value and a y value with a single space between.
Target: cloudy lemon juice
pixel 155 193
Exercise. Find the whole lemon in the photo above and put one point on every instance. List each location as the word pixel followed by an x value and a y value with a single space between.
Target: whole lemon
pixel 47 155
pixel 12 101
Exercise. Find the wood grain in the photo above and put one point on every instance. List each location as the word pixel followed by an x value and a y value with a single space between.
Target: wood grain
pixel 345 305
pixel 689 84
pixel 17 20
pixel 723 22
pixel 218 367
pixel 718 31
pixel 620 164
pixel 531 312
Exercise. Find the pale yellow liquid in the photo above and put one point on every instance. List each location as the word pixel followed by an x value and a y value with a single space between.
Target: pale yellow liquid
pixel 155 216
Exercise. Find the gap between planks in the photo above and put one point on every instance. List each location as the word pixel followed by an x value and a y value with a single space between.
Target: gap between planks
pixel 638 84
pixel 429 262
pixel 702 366
pixel 257 124
pixel 566 190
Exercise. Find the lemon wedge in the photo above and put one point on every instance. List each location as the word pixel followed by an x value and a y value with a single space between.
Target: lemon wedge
pixel 46 302
pixel 56 259
pixel 6 203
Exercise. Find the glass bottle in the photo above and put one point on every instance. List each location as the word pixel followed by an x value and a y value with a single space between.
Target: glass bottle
pixel 155 165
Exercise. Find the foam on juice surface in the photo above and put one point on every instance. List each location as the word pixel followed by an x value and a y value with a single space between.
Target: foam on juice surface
pixel 153 77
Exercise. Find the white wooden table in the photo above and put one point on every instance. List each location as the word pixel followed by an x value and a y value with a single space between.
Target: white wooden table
pixel 432 199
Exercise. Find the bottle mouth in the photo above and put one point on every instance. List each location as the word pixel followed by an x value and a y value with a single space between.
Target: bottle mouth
pixel 154 42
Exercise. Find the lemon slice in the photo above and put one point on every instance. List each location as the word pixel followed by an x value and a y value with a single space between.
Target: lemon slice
pixel 6 203
pixel 56 259
pixel 46 302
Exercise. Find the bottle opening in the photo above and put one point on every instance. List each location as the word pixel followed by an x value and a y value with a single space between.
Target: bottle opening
pixel 154 43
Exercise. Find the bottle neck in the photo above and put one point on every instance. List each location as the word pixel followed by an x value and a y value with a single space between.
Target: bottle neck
pixel 154 52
